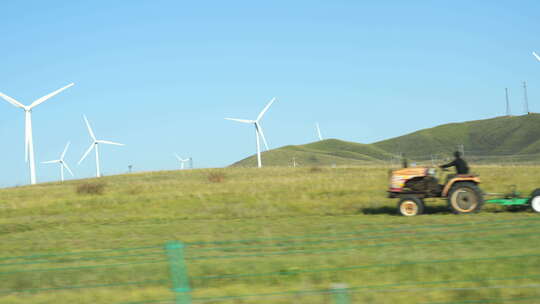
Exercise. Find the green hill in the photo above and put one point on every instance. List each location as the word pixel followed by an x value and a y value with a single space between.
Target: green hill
pixel 515 138
pixel 321 153
pixel 500 136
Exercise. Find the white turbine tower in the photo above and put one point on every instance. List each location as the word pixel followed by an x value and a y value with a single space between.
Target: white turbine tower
pixel 28 139
pixel 536 55
pixel 95 145
pixel 62 163
pixel 182 161
pixel 258 130
pixel 319 131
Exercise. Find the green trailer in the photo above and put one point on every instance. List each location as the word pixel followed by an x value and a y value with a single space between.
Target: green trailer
pixel 514 198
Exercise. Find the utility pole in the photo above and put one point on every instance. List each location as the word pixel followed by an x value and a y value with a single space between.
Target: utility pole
pixel 399 158
pixel 525 97
pixel 507 103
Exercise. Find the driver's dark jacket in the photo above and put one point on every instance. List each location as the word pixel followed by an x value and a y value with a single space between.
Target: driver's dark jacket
pixel 460 164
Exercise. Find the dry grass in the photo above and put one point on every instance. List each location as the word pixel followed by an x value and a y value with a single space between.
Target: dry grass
pixel 95 188
pixel 315 169
pixel 216 177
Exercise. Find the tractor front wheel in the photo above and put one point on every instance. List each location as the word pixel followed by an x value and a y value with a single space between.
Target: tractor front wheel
pixel 465 198
pixel 410 206
pixel 534 201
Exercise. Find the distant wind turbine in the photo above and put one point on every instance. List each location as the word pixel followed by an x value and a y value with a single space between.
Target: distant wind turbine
pixel 536 55
pixel 182 161
pixel 62 163
pixel 28 139
pixel 319 131
pixel 258 130
pixel 95 145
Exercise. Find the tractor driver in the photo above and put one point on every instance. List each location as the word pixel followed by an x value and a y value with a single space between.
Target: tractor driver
pixel 459 163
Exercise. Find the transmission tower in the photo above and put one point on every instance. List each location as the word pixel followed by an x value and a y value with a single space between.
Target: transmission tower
pixel 507 103
pixel 525 97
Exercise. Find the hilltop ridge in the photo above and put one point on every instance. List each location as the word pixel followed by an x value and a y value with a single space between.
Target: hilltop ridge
pixel 494 138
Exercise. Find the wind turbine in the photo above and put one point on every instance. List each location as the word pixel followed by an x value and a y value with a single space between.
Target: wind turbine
pixel 536 55
pixel 258 130
pixel 62 163
pixel 95 145
pixel 28 140
pixel 182 161
pixel 319 131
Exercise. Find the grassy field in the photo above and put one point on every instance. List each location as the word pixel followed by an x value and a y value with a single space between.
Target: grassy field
pixel 275 231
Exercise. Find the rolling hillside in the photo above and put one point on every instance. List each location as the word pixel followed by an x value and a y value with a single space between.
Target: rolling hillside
pixel 490 140
pixel 323 153
pixel 489 137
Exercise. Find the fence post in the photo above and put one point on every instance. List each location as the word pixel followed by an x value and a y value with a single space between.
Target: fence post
pixel 178 270
pixel 340 294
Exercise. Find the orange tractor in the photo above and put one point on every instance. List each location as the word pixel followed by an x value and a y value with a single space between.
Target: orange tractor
pixel 413 185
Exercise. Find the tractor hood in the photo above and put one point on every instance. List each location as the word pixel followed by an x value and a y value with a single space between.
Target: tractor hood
pixel 416 171
pixel 399 177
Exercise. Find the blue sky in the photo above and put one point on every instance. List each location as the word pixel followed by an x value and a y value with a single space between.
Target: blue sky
pixel 160 76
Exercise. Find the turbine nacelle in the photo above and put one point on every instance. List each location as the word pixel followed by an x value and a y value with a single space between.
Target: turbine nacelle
pixel 36 102
pixel 94 146
pixel 28 141
pixel 62 163
pixel 181 160
pixel 258 129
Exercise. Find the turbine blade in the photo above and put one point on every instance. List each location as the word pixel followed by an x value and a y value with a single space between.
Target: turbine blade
pixel 109 142
pixel 260 131
pixel 177 157
pixel 65 150
pixel 241 120
pixel 87 152
pixel 89 128
pixel 44 98
pixel 67 167
pixel 536 55
pixel 12 101
pixel 51 162
pixel 266 109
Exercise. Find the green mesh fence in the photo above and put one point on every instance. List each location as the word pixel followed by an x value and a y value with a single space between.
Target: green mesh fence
pixel 162 270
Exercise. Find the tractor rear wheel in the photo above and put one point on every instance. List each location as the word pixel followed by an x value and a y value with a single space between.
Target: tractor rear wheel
pixel 465 197
pixel 534 201
pixel 410 206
